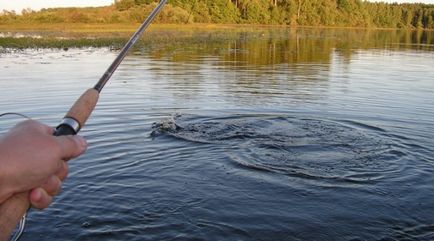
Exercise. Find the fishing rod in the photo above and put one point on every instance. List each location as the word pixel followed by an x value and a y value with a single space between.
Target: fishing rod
pixel 15 208
pixel 83 107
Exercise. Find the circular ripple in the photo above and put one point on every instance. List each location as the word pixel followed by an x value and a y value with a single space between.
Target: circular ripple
pixel 295 146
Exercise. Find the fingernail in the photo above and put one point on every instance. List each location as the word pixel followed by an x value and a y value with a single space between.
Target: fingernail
pixel 81 141
pixel 37 195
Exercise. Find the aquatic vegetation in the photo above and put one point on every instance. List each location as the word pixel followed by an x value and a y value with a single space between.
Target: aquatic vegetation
pixel 246 43
pixel 29 42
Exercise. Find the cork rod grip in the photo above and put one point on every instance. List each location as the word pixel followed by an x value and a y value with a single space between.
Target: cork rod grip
pixel 83 107
pixel 13 209
pixel 11 212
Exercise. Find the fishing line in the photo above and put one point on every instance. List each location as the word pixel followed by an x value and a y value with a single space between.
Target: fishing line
pixel 17 114
pixel 15 208
pixel 20 229
pixel 22 225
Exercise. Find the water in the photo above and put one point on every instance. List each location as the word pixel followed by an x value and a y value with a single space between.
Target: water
pixel 264 135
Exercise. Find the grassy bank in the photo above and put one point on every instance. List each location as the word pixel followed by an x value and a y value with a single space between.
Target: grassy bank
pixel 122 28
pixel 109 35
pixel 20 36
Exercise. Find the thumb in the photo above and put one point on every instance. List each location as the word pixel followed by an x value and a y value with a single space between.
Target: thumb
pixel 71 146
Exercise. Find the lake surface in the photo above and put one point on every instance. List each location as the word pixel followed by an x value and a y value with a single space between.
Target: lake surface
pixel 267 134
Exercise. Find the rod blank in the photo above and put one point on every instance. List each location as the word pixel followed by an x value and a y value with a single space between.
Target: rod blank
pixel 109 72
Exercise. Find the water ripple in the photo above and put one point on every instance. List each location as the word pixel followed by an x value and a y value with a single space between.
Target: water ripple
pixel 308 148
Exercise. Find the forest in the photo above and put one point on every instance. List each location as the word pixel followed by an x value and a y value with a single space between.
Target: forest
pixel 323 13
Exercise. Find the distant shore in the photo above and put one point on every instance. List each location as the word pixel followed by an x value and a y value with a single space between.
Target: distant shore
pixel 127 28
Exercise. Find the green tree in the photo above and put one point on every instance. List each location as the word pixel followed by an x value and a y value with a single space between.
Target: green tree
pixel 125 5
pixel 255 11
pixel 222 11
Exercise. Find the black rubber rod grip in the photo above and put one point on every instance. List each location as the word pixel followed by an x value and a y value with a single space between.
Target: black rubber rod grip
pixel 64 130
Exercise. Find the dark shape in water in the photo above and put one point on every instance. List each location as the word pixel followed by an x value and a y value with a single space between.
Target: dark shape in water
pixel 308 148
pixel 166 126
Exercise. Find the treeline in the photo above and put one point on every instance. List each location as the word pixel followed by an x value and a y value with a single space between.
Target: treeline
pixel 339 13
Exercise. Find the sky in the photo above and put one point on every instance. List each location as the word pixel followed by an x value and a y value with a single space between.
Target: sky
pixel 400 1
pixel 18 5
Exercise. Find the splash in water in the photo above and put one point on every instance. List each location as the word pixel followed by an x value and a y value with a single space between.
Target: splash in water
pixel 296 146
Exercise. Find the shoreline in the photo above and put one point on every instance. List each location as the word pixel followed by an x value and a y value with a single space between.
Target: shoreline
pixel 115 35
pixel 124 28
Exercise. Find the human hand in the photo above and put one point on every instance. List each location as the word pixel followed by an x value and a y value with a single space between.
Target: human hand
pixel 33 160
